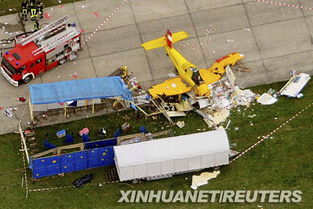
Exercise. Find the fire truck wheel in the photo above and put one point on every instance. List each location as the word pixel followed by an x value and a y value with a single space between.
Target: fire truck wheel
pixel 28 79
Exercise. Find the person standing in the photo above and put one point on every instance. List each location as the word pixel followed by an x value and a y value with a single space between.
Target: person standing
pixel 40 9
pixel 33 10
pixel 36 26
pixel 24 10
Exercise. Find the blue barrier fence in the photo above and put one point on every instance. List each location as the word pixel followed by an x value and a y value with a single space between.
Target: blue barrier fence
pixel 96 154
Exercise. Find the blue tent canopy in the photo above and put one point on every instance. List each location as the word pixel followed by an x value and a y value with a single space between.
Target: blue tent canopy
pixel 91 88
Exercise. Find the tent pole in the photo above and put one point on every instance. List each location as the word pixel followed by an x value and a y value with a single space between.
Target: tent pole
pixel 31 110
pixel 93 106
pixel 65 109
pixel 86 103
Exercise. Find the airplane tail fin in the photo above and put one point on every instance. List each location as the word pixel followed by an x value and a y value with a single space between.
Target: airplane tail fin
pixel 167 40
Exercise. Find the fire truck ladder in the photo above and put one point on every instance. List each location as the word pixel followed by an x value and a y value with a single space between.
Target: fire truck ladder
pixel 54 42
pixel 45 30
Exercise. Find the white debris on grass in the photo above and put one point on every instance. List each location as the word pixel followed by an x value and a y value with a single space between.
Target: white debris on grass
pixel 225 95
pixel 295 84
pixel 180 124
pixel 266 99
pixel 203 178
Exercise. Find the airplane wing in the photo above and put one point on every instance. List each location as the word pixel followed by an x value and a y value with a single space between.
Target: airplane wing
pixel 179 36
pixel 161 42
pixel 173 86
pixel 156 43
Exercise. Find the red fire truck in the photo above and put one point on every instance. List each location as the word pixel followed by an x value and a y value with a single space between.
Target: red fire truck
pixel 53 45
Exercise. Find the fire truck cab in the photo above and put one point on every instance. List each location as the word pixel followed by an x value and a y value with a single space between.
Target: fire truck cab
pixel 53 45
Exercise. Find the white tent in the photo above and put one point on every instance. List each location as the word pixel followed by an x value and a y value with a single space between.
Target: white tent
pixel 168 156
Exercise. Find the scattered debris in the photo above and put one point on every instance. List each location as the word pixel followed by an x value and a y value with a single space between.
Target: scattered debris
pixel 84 131
pixel 21 99
pixel 61 133
pixel 96 14
pixel 125 127
pixel 74 75
pixel 225 95
pixel 83 180
pixel 203 178
pixel 175 114
pixel 233 153
pixel 180 124
pixel 102 131
pixel 172 75
pixel 8 112
pixel 47 15
pixel 266 99
pixel 219 117
pixel 300 95
pixel 296 83
pixel 228 123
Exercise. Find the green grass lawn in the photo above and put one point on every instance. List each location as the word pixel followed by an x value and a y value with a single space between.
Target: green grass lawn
pixel 14 6
pixel 281 163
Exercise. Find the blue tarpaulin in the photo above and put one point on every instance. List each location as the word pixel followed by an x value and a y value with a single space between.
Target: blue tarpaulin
pixel 70 162
pixel 92 88
pixel 96 154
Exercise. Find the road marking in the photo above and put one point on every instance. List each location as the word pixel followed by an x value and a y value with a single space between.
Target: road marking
pixel 119 6
pixel 284 4
pixel 270 134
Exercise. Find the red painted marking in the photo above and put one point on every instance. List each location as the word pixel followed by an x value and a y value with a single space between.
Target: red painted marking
pixel 96 14
pixel 61 6
pixel 74 76
pixel 220 59
pixel 82 30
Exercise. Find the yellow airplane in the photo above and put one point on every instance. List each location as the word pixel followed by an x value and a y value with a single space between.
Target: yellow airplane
pixel 189 75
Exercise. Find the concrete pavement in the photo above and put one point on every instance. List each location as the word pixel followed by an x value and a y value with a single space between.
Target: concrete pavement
pixel 274 39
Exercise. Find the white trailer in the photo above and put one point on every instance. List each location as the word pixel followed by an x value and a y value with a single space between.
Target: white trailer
pixel 166 157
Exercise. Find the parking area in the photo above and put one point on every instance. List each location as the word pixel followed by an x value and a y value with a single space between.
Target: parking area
pixel 273 38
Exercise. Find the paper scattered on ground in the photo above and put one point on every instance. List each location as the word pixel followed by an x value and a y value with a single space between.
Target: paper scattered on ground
pixel 219 117
pixel 225 95
pixel 203 178
pixel 266 99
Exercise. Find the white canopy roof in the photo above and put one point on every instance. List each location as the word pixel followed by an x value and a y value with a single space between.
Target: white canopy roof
pixel 177 147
